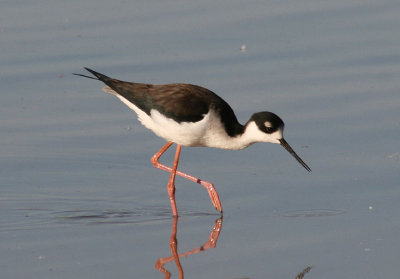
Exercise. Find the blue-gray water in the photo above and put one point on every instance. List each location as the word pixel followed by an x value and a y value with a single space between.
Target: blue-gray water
pixel 80 199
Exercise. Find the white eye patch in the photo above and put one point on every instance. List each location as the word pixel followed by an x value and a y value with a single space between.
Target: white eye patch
pixel 267 124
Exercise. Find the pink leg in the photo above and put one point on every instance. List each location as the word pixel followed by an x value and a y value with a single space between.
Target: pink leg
pixel 171 183
pixel 208 185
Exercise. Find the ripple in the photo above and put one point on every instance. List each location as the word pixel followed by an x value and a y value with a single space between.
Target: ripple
pixel 111 216
pixel 121 216
pixel 39 212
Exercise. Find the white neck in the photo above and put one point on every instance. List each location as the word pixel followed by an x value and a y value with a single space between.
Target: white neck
pixel 250 136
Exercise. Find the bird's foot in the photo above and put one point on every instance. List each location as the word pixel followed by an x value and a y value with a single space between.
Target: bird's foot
pixel 213 195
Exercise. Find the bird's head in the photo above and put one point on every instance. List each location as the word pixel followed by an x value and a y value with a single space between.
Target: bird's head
pixel 268 127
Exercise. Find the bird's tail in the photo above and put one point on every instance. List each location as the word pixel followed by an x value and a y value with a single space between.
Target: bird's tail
pixel 97 75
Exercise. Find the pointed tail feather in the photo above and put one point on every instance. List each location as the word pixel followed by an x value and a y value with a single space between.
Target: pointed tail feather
pixel 97 75
pixel 84 76
pixel 101 77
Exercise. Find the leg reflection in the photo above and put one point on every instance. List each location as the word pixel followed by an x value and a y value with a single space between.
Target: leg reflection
pixel 173 243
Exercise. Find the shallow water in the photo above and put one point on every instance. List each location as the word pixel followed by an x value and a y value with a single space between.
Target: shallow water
pixel 80 199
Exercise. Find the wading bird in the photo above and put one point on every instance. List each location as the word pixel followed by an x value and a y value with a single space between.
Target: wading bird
pixel 191 115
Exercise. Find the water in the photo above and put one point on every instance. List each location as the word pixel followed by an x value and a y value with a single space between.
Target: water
pixel 80 199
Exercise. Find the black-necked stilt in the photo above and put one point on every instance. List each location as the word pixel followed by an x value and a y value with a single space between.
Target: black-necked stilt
pixel 191 115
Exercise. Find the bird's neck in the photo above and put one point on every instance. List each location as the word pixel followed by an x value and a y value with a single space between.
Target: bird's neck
pixel 247 135
pixel 244 135
pixel 236 136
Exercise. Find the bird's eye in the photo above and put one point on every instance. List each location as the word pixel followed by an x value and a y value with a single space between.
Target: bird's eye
pixel 268 127
pixel 269 130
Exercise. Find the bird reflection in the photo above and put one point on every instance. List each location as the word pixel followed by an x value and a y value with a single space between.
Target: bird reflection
pixel 173 243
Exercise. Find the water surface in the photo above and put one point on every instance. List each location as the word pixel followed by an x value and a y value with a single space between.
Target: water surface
pixel 80 199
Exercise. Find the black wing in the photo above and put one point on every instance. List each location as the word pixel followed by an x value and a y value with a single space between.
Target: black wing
pixel 179 101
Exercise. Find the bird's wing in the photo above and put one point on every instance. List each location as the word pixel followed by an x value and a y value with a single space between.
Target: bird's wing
pixel 181 102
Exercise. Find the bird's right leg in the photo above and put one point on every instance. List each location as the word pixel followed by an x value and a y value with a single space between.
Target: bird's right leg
pixel 208 185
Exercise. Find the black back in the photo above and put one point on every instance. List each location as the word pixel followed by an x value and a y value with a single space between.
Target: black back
pixel 178 101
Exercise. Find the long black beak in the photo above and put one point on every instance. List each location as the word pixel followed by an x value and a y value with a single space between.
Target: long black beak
pixel 291 151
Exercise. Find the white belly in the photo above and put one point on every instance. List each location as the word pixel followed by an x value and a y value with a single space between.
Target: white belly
pixel 207 132
pixel 184 133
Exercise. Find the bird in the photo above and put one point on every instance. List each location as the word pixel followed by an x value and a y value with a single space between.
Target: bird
pixel 193 116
